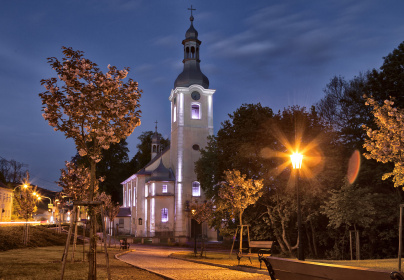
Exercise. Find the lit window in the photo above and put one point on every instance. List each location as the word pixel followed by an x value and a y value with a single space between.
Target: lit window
pixel 164 215
pixel 196 189
pixel 195 112
pixel 175 114
pixel 164 188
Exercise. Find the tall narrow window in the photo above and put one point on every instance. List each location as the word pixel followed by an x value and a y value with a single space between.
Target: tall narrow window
pixel 164 215
pixel 196 189
pixel 195 112
pixel 164 190
pixel 175 114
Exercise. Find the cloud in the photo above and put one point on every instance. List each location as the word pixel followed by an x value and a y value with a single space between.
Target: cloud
pixel 165 41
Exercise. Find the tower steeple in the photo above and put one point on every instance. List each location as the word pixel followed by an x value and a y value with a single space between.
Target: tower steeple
pixel 155 149
pixel 191 74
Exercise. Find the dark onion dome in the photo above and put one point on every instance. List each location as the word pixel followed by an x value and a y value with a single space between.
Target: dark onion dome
pixel 161 173
pixel 191 74
pixel 191 32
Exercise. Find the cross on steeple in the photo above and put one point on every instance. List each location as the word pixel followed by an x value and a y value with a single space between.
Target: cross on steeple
pixel 191 10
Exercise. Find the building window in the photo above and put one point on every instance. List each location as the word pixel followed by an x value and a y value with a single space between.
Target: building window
pixel 175 114
pixel 164 189
pixel 164 215
pixel 196 189
pixel 195 112
pixel 121 223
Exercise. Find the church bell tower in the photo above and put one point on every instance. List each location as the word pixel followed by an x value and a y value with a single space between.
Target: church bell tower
pixel 191 124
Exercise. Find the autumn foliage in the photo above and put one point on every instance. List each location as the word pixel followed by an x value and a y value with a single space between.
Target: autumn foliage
pixel 386 143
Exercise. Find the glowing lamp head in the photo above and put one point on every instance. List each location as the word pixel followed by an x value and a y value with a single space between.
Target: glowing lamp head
pixel 25 186
pixel 296 159
pixel 193 211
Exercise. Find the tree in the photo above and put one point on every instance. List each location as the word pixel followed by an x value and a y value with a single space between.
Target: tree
pixel 114 168
pixel 343 107
pixel 12 170
pixel 201 213
pixel 293 129
pixel 92 108
pixel 386 143
pixel 75 182
pixel 238 145
pixel 350 206
pixel 26 199
pixel 260 143
pixel 389 81
pixel 236 194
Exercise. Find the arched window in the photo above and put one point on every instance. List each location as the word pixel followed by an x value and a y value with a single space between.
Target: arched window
pixel 195 111
pixel 164 215
pixel 196 189
pixel 192 52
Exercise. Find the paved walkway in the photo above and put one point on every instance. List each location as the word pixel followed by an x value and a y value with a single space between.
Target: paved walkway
pixel 155 259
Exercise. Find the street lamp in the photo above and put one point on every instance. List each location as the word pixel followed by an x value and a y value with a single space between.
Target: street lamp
pixel 297 160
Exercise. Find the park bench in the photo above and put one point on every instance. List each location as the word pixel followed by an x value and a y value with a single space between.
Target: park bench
pixel 123 244
pixel 264 247
pixel 285 269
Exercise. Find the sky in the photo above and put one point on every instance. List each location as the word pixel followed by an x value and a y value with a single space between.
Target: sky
pixel 279 53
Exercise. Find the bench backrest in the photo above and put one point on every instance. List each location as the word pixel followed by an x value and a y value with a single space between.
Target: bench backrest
pixel 298 270
pixel 261 244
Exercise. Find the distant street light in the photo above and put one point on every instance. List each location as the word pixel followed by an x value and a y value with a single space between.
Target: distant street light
pixel 297 160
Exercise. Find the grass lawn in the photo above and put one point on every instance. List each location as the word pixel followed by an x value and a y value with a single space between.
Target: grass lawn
pixel 223 259
pixel 45 263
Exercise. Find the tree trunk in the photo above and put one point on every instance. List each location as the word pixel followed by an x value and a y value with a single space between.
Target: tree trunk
pixel 241 232
pixel 314 238
pixel 75 234
pixel 92 273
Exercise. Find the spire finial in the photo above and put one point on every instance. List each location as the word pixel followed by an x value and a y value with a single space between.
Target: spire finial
pixel 192 17
pixel 156 125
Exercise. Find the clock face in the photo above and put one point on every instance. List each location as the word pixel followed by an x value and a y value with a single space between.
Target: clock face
pixel 195 95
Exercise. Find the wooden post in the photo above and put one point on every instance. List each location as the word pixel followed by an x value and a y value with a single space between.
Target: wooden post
pixel 69 235
pixel 105 243
pixel 84 240
pixel 234 239
pixel 400 237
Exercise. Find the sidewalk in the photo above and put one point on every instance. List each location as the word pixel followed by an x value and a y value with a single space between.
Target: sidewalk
pixel 157 260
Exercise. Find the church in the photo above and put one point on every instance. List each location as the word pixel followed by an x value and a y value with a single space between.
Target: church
pixel 156 199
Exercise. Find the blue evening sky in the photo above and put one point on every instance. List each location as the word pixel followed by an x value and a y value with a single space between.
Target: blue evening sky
pixel 279 53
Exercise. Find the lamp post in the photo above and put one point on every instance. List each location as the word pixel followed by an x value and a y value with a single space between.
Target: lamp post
pixel 297 159
pixel 193 211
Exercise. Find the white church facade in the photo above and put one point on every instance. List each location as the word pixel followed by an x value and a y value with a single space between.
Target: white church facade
pixel 156 199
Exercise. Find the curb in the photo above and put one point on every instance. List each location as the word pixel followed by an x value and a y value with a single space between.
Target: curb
pixel 238 268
